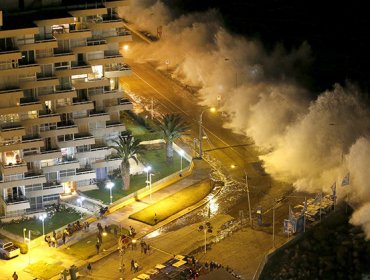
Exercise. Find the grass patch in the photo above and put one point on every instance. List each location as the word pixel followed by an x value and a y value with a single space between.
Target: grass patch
pixel 173 204
pixel 44 270
pixel 58 220
pixel 85 248
pixel 160 168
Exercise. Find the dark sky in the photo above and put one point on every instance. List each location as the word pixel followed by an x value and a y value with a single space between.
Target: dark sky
pixel 337 32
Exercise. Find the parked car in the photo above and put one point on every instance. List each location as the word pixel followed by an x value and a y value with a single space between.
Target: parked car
pixel 8 250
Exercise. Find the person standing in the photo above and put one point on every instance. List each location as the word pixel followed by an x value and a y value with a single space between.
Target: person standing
pixel 64 237
pixel 15 276
pixel 97 246
pixel 132 265
pixel 89 268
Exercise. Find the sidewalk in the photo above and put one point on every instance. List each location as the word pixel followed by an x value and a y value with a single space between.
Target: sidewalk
pixel 120 217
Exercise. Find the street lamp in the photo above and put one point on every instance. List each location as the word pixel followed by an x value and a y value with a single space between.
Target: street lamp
pixel 181 153
pixel 24 235
pixel 249 201
pixel 147 169
pixel 212 109
pixel 42 218
pixel 206 227
pixel 150 185
pixel 109 185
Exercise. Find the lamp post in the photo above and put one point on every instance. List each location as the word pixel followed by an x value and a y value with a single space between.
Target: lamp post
pixel 42 218
pixel 150 185
pixel 206 227
pixel 24 235
pixel 29 245
pixel 109 185
pixel 147 169
pixel 249 201
pixel 212 109
pixel 181 153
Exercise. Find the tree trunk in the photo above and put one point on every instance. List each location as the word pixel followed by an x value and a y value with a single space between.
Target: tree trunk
pixel 169 148
pixel 125 173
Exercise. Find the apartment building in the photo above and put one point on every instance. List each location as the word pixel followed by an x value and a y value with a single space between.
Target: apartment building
pixel 60 100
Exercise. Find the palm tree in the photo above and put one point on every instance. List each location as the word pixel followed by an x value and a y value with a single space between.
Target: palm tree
pixel 173 127
pixel 127 148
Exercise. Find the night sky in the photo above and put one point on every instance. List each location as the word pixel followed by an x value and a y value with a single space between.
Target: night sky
pixel 338 33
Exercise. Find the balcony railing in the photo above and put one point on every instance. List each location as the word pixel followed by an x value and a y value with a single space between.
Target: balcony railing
pixel 118 67
pixel 11 200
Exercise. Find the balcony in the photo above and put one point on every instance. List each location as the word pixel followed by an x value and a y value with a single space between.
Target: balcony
pixel 24 107
pixel 27 142
pixel 106 22
pixel 121 105
pixel 60 92
pixel 111 127
pixel 93 83
pixel 43 118
pixel 110 161
pixel 95 151
pixel 76 70
pixel 43 155
pixel 61 129
pixel 119 70
pixel 91 46
pixel 12 204
pixel 28 179
pixel 19 32
pixel 93 117
pixel 48 188
pixel 22 70
pixel 57 20
pixel 10 54
pixel 12 94
pixel 57 58
pixel 108 59
pixel 64 165
pixel 41 43
pixel 79 33
pixel 119 37
pixel 76 106
pixel 9 169
pixel 99 96
pixel 79 139
pixel 81 174
pixel 11 130
pixel 40 82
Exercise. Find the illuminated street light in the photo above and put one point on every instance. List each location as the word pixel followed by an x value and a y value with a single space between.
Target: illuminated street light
pixel 126 47
pixel 24 235
pixel 212 110
pixel 181 153
pixel 147 169
pixel 42 218
pixel 150 185
pixel 109 185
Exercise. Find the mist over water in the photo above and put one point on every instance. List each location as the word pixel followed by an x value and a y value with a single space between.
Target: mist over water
pixel 314 139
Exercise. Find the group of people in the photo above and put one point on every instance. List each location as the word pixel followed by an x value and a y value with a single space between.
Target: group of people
pixel 134 266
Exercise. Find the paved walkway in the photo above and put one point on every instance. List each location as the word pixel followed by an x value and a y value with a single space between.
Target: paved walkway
pixel 41 251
